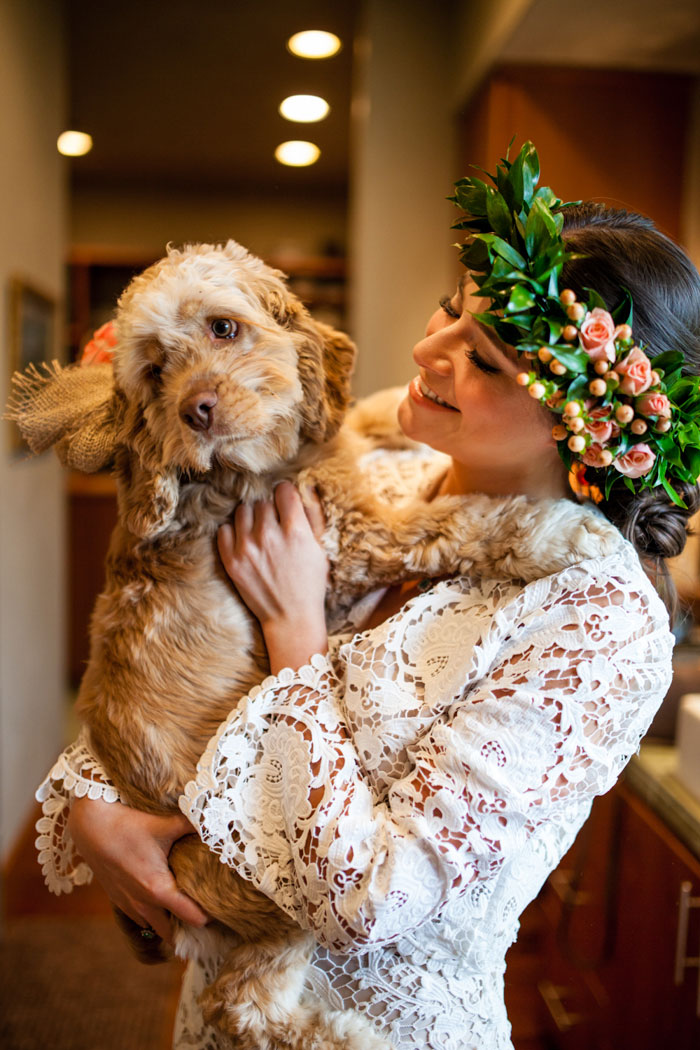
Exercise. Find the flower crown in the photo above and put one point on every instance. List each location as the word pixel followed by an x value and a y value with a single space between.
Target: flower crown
pixel 624 416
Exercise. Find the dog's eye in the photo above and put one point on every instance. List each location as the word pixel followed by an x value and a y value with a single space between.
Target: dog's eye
pixel 156 372
pixel 224 328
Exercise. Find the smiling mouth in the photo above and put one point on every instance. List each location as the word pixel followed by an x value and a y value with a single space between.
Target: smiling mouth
pixel 422 387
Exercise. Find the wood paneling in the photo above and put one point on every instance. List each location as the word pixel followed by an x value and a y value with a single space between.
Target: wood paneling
pixel 616 136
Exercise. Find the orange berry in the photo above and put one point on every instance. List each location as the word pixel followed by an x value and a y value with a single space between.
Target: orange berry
pixel 576 443
pixel 559 432
pixel 567 297
pixel 576 311
pixel 601 367
pixel 557 367
pixel 638 426
pixel 570 333
pixel 624 413
pixel 544 354
pixel 597 387
pixel 662 425
pixel 536 390
pixel 522 379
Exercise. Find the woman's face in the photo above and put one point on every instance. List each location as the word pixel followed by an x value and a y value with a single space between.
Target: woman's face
pixel 500 439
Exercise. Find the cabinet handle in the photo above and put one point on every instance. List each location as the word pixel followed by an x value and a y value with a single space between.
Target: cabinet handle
pixel 682 960
pixel 552 997
pixel 562 883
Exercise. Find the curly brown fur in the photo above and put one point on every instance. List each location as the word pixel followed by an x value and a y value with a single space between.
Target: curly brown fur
pixel 203 422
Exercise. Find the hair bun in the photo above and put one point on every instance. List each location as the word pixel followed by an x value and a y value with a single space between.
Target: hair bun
pixel 656 526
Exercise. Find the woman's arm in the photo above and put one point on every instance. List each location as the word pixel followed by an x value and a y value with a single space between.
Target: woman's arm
pixel 284 795
pixel 127 850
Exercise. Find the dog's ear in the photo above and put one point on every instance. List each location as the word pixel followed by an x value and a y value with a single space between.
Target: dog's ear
pixel 147 499
pixel 148 489
pixel 73 409
pixel 326 361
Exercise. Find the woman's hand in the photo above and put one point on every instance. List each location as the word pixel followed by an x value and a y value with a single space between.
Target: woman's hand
pixel 128 852
pixel 272 554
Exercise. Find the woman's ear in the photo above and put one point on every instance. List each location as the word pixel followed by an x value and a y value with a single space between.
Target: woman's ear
pixel 72 409
pixel 326 359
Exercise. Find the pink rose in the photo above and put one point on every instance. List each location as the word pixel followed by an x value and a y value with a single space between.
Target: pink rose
pixel 100 349
pixel 637 461
pixel 635 370
pixel 596 456
pixel 600 426
pixel 597 334
pixel 653 405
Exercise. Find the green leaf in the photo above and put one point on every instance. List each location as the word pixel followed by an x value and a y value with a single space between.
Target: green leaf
pixel 672 492
pixel 500 247
pixel 578 389
pixel 498 214
pixel 531 165
pixel 520 299
pixel 668 360
pixel 475 255
pixel 692 461
pixel 575 360
pixel 540 228
pixel 595 300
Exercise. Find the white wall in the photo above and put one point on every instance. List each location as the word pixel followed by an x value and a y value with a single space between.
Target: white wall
pixel 32 536
pixel 400 239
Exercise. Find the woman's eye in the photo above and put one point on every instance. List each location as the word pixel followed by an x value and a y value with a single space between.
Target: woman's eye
pixel 479 362
pixel 446 304
pixel 224 328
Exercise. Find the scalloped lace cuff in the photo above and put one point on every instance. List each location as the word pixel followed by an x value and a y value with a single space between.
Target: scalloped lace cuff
pixel 76 774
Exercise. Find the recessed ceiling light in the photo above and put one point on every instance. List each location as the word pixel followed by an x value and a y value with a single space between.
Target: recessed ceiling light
pixel 314 43
pixel 297 154
pixel 74 143
pixel 304 108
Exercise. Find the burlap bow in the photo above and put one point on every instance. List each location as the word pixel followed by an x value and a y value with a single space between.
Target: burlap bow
pixel 73 409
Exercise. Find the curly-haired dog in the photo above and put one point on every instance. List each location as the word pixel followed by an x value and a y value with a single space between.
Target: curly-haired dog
pixel 223 386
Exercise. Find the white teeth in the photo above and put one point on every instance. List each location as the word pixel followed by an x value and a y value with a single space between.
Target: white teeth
pixel 425 389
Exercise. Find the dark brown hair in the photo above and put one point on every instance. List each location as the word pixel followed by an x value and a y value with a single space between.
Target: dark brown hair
pixel 624 251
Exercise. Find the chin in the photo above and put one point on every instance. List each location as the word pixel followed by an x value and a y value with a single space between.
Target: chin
pixel 406 419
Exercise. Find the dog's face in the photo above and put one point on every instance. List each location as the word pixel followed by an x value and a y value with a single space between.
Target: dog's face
pixel 223 365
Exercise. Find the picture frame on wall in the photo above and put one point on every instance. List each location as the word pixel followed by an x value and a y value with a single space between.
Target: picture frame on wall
pixel 32 315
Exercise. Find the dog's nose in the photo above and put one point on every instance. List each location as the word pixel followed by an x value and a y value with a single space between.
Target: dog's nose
pixel 197 410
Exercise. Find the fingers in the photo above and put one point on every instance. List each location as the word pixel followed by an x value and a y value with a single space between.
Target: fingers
pixel 314 512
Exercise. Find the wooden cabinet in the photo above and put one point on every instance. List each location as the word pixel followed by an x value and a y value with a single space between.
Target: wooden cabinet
pixel 619 965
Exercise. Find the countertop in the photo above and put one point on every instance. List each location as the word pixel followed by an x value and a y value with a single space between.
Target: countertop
pixel 652 775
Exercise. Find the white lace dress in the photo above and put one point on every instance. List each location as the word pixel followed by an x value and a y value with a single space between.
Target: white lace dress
pixel 458 747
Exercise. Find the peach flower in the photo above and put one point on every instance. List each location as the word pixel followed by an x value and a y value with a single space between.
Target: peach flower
pixel 596 456
pixel 600 426
pixel 652 404
pixel 635 370
pixel 636 461
pixel 100 349
pixel 597 334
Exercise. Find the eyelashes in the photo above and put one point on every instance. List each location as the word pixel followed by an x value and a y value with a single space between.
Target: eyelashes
pixel 446 304
pixel 479 362
pixel 471 353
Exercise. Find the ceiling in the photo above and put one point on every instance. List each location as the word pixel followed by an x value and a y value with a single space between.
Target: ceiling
pixel 656 35
pixel 180 93
pixel 184 93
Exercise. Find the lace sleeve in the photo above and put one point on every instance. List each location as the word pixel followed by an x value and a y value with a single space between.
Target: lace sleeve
pixel 77 773
pixel 557 703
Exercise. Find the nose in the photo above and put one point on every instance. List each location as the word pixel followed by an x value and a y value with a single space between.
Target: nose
pixel 434 353
pixel 197 409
